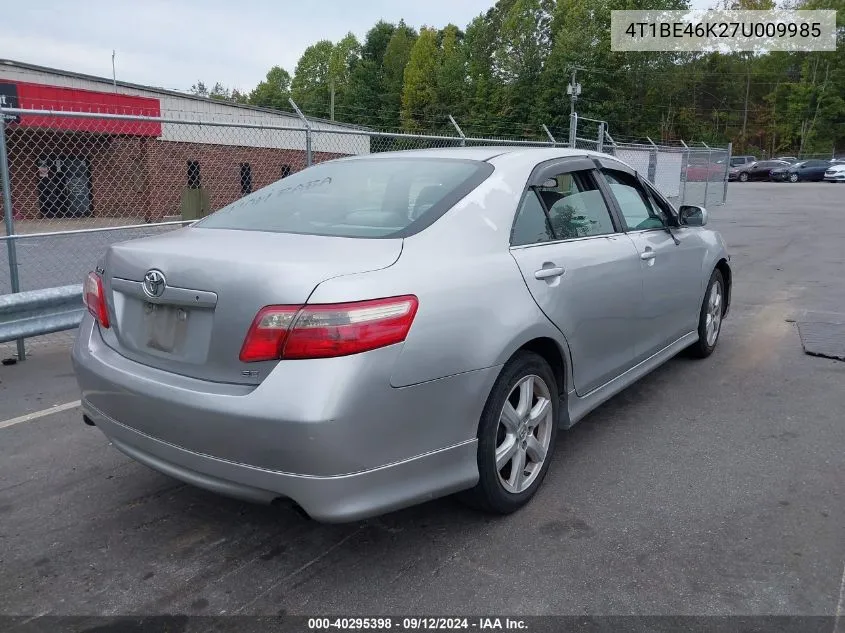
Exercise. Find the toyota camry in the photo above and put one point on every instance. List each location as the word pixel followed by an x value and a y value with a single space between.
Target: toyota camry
pixel 373 332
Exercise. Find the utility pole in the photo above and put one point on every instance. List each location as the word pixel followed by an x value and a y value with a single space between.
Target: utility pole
pixel 573 90
pixel 113 75
pixel 745 110
pixel 331 103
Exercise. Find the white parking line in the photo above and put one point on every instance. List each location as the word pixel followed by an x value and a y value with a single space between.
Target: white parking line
pixel 56 408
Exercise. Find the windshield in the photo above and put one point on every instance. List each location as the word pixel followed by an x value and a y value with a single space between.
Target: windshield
pixel 355 198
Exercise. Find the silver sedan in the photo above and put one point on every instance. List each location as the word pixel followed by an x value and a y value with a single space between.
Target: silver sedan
pixel 378 331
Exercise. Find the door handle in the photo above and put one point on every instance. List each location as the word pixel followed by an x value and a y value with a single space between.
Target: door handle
pixel 548 273
pixel 649 254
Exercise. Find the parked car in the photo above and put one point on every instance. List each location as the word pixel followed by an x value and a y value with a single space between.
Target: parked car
pixel 755 171
pixel 836 173
pixel 705 171
pixel 807 170
pixel 377 331
pixel 739 161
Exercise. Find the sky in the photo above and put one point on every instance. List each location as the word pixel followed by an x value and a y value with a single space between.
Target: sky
pixel 174 44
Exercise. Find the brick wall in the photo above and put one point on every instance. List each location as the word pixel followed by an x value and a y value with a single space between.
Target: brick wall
pixel 143 178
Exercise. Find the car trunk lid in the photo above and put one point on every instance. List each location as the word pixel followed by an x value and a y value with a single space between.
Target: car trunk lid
pixel 204 287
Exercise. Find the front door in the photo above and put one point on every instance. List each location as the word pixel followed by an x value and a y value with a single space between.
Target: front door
pixel 582 272
pixel 77 186
pixel 64 186
pixel 670 263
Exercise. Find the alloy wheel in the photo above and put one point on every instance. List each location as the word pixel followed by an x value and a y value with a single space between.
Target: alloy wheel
pixel 713 321
pixel 524 434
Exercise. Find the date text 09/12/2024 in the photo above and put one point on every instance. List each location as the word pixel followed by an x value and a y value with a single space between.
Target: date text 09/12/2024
pixel 417 624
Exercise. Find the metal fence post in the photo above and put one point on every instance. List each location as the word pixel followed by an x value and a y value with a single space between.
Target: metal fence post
pixel 684 166
pixel 727 173
pixel 573 128
pixel 612 143
pixel 307 124
pixel 600 144
pixel 652 161
pixel 707 173
pixel 9 217
pixel 460 131
pixel 549 134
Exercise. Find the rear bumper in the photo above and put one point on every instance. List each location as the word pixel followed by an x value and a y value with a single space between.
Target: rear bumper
pixel 331 435
pixel 329 499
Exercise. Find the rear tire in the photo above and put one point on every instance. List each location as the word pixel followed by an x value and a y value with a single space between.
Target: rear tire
pixel 519 425
pixel 710 317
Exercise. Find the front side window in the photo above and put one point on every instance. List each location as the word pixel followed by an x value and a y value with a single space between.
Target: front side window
pixel 353 198
pixel 664 208
pixel 634 203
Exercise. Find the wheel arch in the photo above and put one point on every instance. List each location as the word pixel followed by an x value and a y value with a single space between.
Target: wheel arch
pixel 727 274
pixel 556 353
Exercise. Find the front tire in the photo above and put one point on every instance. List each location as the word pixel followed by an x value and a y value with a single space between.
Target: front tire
pixel 710 316
pixel 743 177
pixel 516 435
pixel 793 177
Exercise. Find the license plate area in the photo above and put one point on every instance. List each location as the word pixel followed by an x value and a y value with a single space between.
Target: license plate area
pixel 166 326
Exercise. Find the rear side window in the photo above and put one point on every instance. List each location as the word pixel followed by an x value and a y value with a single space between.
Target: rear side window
pixel 355 198
pixel 567 206
pixel 576 206
pixel 532 225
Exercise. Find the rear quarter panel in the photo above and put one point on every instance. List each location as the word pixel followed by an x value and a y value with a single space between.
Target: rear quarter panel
pixel 474 310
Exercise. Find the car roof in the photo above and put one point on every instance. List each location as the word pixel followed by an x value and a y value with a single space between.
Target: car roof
pixel 483 153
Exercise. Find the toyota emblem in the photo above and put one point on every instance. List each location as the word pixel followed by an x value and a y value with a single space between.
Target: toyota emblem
pixel 154 283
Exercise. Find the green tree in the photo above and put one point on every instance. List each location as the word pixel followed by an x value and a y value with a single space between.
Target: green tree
pixel 274 91
pixel 345 55
pixel 419 95
pixel 524 42
pixel 363 100
pixel 199 89
pixel 310 85
pixel 483 88
pixel 451 77
pixel 396 56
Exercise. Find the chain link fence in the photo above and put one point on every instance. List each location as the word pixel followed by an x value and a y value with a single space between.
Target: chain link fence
pixel 79 182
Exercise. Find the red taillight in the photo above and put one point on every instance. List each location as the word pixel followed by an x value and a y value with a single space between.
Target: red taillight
pixel 266 336
pixel 95 298
pixel 328 330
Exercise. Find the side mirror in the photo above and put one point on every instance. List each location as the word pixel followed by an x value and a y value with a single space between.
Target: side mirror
pixel 692 215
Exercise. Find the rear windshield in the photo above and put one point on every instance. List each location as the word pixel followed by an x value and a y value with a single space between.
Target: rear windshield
pixel 355 198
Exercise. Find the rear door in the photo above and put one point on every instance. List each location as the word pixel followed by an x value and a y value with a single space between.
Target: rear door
pixel 671 264
pixel 582 271
pixel 815 169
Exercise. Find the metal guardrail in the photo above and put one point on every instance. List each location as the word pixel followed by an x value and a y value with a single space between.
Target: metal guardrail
pixel 36 312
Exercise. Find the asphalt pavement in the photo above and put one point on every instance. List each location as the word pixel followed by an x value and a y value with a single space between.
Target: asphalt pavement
pixel 711 487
